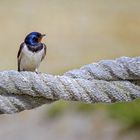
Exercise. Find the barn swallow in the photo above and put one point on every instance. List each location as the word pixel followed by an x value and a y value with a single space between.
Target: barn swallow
pixel 31 52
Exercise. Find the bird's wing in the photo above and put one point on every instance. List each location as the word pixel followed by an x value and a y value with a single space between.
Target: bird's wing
pixel 45 49
pixel 19 55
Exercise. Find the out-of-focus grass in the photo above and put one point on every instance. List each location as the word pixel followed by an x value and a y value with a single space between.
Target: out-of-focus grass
pixel 128 113
pixel 56 109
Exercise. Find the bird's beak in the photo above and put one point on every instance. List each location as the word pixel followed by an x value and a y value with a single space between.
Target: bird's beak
pixel 43 35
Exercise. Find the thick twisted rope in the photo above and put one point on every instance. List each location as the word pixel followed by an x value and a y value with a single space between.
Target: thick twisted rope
pixel 107 81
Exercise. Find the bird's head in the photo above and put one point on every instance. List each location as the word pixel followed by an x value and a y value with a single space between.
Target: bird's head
pixel 33 38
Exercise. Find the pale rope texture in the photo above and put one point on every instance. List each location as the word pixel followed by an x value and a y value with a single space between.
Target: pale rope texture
pixel 107 81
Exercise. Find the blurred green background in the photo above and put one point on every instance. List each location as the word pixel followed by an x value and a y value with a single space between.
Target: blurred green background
pixel 78 32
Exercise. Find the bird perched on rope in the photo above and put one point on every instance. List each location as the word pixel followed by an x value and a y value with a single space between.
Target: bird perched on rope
pixel 31 52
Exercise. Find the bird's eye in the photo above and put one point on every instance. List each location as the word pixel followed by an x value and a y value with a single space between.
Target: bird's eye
pixel 35 39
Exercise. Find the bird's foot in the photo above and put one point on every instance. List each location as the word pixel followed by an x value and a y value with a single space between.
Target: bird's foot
pixel 36 71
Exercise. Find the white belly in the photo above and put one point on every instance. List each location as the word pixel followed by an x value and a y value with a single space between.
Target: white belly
pixel 30 61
